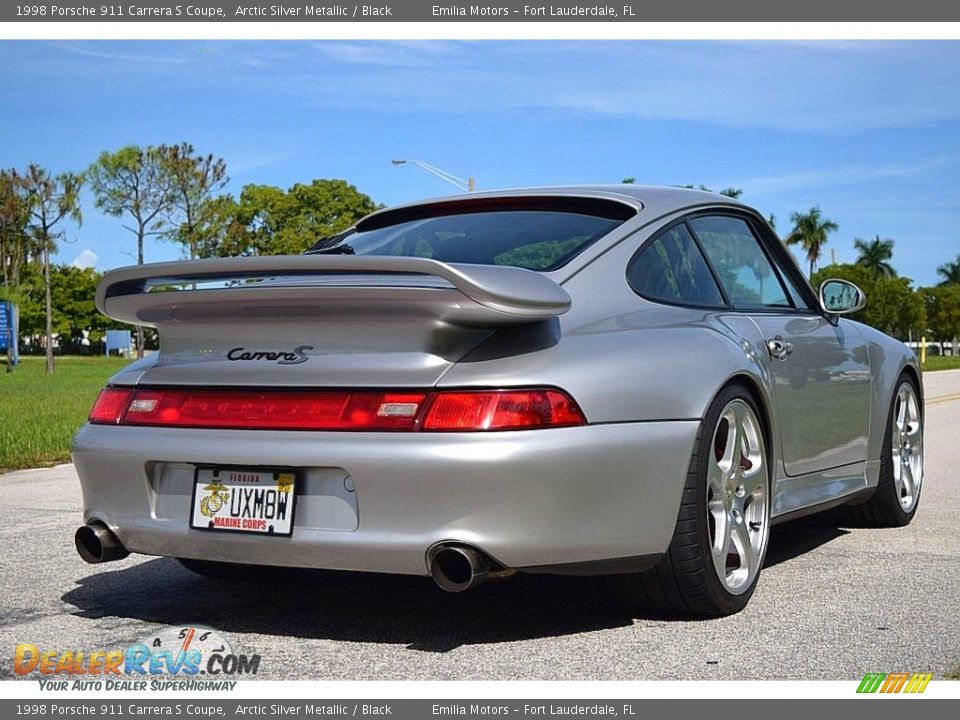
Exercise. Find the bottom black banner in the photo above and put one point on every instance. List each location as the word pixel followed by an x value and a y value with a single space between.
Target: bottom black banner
pixel 116 709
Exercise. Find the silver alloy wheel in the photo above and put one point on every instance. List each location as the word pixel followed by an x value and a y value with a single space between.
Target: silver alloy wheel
pixel 737 492
pixel 907 443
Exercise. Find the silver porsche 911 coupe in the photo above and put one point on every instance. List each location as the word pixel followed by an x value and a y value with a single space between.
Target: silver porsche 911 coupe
pixel 626 381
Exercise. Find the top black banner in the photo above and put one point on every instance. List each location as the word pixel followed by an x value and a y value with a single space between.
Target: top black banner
pixel 502 11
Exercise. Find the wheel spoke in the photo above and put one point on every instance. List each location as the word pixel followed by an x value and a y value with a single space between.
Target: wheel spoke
pixel 912 420
pixel 721 547
pixel 741 539
pixel 754 483
pixel 901 420
pixel 907 481
pixel 715 476
pixel 739 438
pixel 722 529
pixel 727 461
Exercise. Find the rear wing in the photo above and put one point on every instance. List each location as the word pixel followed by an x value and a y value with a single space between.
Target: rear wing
pixel 296 285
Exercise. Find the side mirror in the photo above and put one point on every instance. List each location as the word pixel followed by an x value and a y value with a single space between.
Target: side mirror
pixel 840 297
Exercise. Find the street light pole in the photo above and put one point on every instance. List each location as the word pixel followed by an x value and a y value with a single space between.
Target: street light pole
pixel 467 185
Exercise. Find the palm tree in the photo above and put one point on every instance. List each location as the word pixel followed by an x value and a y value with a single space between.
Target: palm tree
pixel 810 231
pixel 875 256
pixel 950 272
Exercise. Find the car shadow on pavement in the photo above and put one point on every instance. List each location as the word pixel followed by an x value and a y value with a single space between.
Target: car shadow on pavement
pixel 799 537
pixel 371 608
pixel 352 607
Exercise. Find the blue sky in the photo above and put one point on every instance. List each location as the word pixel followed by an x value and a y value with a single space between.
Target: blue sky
pixel 868 130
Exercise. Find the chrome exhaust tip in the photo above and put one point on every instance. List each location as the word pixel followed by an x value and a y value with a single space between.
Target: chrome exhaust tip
pixel 96 543
pixel 456 568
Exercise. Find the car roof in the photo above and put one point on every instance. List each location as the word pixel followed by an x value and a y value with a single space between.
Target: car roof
pixel 651 199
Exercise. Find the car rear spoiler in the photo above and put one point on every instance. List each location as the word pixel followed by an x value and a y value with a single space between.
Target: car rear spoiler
pixel 291 285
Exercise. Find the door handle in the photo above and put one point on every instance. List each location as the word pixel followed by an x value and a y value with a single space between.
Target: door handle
pixel 779 348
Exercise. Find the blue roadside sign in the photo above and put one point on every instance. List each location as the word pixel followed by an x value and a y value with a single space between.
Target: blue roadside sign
pixel 8 320
pixel 117 340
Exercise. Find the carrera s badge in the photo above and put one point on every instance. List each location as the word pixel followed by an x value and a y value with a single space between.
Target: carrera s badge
pixel 294 357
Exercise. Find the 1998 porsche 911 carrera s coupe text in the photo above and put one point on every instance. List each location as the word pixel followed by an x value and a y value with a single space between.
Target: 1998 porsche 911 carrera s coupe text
pixel 627 381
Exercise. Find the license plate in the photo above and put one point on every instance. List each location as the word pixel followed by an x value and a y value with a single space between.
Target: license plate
pixel 245 500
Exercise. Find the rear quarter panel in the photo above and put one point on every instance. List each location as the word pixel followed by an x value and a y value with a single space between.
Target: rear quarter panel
pixel 889 358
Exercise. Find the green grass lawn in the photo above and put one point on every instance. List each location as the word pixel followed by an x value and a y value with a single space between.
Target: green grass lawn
pixel 40 413
pixel 935 362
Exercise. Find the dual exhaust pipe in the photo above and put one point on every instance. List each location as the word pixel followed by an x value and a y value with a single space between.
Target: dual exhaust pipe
pixel 456 568
pixel 96 543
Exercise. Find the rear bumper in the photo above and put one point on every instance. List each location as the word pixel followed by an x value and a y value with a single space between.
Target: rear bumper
pixel 571 498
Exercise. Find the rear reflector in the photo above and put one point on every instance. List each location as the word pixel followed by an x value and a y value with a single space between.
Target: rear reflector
pixel 109 407
pixel 444 411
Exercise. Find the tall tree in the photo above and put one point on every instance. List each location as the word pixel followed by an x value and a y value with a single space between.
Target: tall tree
pixel 217 232
pixel 895 308
pixel 14 247
pixel 137 182
pixel 943 313
pixel 875 256
pixel 950 272
pixel 195 181
pixel 73 290
pixel 731 192
pixel 810 231
pixel 269 221
pixel 52 199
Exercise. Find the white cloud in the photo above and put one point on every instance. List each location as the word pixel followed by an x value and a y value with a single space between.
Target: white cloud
pixel 394 53
pixel 810 87
pixel 124 57
pixel 86 259
pixel 245 163
pixel 829 177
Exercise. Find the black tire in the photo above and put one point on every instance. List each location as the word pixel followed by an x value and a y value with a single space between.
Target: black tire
pixel 684 582
pixel 239 571
pixel 883 509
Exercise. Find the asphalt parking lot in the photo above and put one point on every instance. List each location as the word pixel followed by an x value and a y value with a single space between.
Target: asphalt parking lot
pixel 833 602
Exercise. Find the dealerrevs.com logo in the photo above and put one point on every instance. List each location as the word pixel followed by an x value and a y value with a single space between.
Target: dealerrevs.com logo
pixel 174 658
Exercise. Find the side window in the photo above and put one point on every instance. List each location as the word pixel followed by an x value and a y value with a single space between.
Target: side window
pixel 795 293
pixel 743 268
pixel 672 269
pixel 793 288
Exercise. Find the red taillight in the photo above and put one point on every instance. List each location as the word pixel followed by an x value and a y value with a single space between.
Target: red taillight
pixel 275 410
pixel 109 407
pixel 444 411
pixel 501 410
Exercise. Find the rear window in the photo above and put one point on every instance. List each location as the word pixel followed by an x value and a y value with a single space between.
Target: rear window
pixel 537 236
